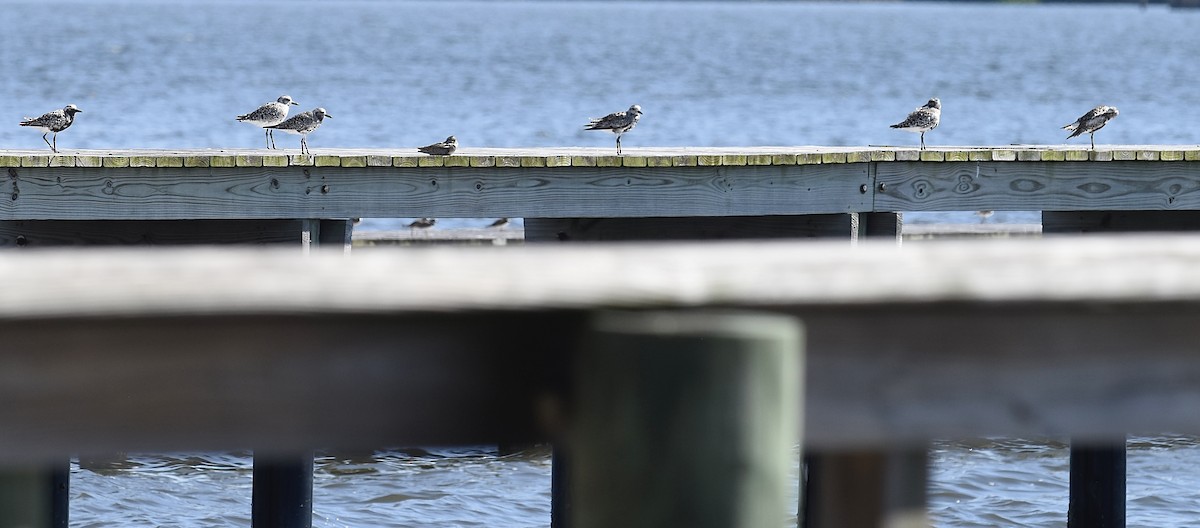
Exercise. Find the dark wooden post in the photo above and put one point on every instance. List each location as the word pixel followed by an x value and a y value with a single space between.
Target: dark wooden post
pixel 685 419
pixel 282 488
pixel 283 483
pixel 1098 468
pixel 34 497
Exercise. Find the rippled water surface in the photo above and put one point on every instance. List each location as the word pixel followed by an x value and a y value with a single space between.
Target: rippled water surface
pixel 172 74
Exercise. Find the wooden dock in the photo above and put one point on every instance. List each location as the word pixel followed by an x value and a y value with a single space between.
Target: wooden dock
pixel 990 338
pixel 592 183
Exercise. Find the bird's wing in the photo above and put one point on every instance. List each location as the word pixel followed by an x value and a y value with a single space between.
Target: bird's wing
pixel 613 120
pixel 921 117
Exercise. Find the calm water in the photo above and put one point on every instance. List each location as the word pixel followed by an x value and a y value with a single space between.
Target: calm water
pixel 171 74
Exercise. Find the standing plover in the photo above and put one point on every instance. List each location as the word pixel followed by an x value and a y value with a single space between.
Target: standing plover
pixel 445 148
pixel 617 122
pixel 53 122
pixel 422 223
pixel 1092 121
pixel 923 119
pixel 303 124
pixel 269 114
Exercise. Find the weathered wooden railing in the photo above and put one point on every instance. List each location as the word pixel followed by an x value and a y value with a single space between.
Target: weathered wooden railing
pixel 576 183
pixel 198 349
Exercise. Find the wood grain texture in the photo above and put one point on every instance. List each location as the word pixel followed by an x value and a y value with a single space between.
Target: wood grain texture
pixel 51 233
pixel 1116 185
pixel 72 193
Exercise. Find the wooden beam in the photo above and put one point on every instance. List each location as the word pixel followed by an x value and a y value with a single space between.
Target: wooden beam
pixel 720 228
pixel 939 340
pixel 52 233
pixel 1037 186
pixel 339 192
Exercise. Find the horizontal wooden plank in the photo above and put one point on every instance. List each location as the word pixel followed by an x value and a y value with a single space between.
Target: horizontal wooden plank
pixel 72 193
pixel 219 349
pixel 1038 186
pixel 759 273
pixel 274 383
pixel 49 233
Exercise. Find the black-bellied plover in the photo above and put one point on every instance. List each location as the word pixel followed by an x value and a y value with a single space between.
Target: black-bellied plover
pixel 53 122
pixel 422 223
pixel 444 148
pixel 617 122
pixel 923 119
pixel 1092 121
pixel 269 114
pixel 303 124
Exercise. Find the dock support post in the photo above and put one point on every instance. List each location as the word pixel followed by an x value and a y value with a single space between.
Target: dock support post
pixel 34 497
pixel 1098 468
pixel 685 419
pixel 283 485
pixel 282 488
pixel 850 226
pixel 1097 486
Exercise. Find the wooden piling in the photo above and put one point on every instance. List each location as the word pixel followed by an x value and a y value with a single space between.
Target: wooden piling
pixel 685 420
pixel 282 488
pixel 34 497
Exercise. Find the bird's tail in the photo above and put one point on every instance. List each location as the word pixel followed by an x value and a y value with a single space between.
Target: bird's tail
pixel 242 117
pixel 897 125
pixel 1077 131
pixel 1071 126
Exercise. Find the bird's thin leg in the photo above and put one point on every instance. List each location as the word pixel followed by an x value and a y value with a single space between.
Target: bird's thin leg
pixel 267 137
pixel 47 140
pixel 618 144
pixel 54 147
pixel 922 141
pixel 303 145
pixel 1093 136
pixel 271 134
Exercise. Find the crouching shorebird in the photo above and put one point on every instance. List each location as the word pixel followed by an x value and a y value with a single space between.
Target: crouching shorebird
pixel 617 122
pixel 923 119
pixel 269 114
pixel 1092 121
pixel 303 124
pixel 53 122
pixel 444 148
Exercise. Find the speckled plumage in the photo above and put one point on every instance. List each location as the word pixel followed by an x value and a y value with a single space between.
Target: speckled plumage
pixel 269 114
pixel 923 119
pixel 303 124
pixel 53 122
pixel 444 148
pixel 617 122
pixel 1092 121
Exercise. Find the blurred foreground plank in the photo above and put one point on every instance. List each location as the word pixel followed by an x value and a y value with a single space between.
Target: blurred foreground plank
pixel 160 350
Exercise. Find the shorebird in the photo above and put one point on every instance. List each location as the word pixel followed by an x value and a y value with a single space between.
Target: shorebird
pixel 617 122
pixel 445 148
pixel 422 223
pixel 923 119
pixel 269 114
pixel 53 122
pixel 303 124
pixel 500 222
pixel 1092 121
